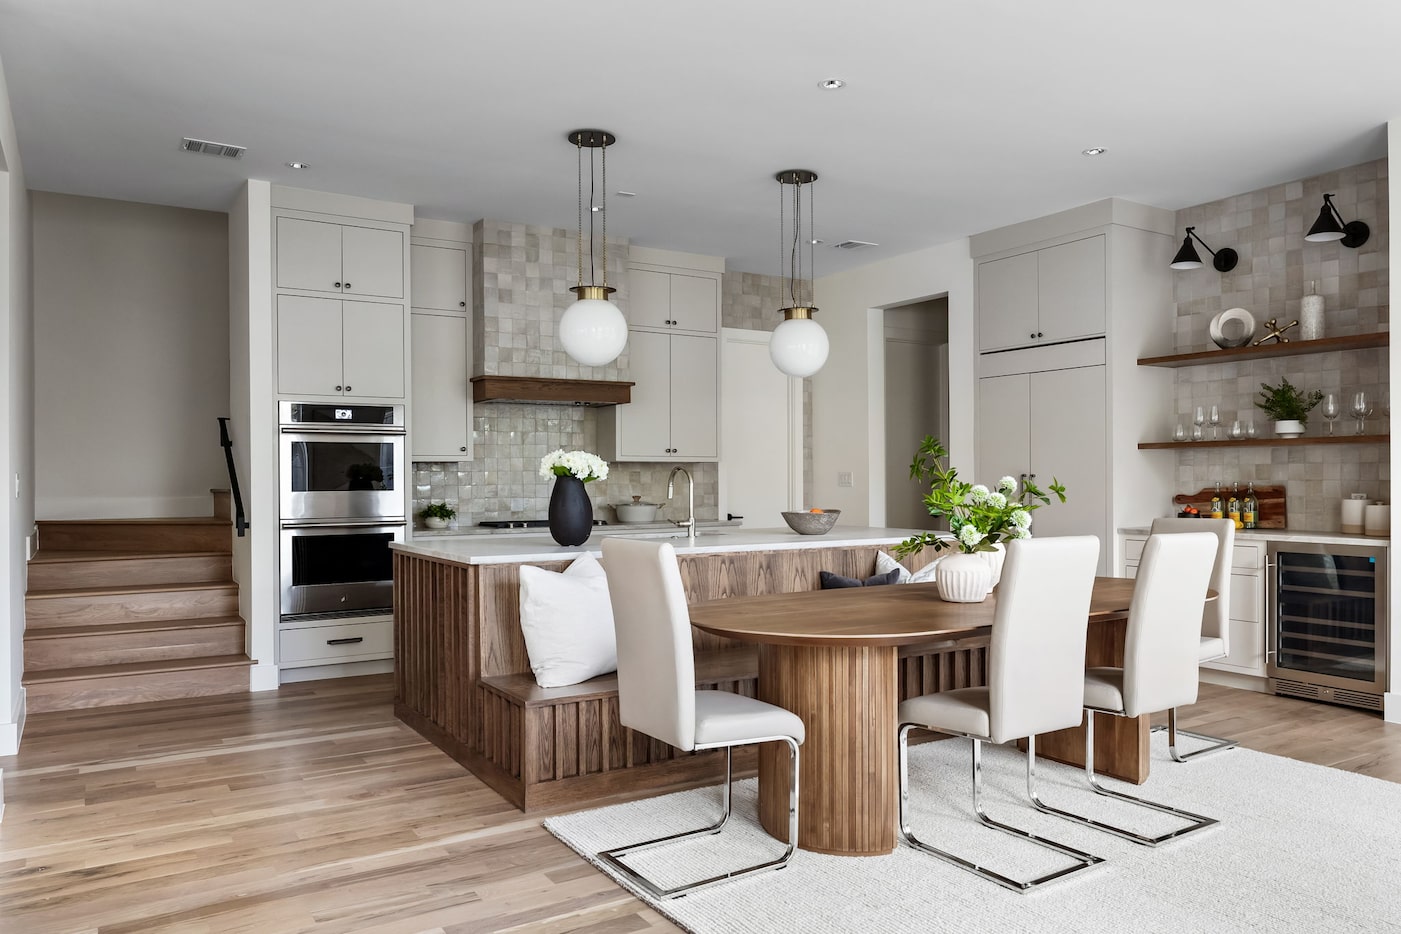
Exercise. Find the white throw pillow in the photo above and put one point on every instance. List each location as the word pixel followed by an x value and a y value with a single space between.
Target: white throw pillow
pixel 885 564
pixel 567 621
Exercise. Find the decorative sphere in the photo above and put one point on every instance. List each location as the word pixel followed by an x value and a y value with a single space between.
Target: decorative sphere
pixel 593 331
pixel 798 347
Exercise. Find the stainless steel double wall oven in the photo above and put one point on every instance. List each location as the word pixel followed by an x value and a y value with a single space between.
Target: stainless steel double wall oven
pixel 342 503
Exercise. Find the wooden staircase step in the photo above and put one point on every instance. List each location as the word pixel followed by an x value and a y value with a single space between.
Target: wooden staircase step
pixel 135 682
pixel 202 533
pixel 60 570
pixel 47 649
pixel 92 605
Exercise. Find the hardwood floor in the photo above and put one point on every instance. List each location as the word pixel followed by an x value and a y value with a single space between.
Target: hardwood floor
pixel 313 809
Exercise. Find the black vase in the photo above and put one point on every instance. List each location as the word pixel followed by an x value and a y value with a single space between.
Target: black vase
pixel 571 513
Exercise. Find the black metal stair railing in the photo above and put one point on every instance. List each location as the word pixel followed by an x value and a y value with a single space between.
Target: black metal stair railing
pixel 240 518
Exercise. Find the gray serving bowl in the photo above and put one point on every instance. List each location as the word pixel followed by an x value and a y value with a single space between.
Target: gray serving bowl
pixel 812 523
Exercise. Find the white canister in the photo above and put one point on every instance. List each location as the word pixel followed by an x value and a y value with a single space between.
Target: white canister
pixel 1311 316
pixel 1378 520
pixel 1354 512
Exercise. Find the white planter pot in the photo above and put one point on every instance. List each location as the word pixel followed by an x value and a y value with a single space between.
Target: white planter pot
pixel 994 561
pixel 1289 429
pixel 964 578
pixel 433 522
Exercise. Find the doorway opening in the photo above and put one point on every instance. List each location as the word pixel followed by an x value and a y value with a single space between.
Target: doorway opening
pixel 916 350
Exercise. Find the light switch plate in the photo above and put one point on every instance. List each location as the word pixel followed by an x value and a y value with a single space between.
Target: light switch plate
pixel 844 478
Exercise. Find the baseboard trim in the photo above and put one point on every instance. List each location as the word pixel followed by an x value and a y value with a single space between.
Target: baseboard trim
pixel 1231 679
pixel 11 732
pixel 263 678
pixel 345 670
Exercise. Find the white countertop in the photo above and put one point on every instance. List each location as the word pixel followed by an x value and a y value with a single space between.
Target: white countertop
pixel 537 545
pixel 1293 535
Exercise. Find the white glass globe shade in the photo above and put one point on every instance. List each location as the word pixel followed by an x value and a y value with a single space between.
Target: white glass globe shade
pixel 798 347
pixel 593 331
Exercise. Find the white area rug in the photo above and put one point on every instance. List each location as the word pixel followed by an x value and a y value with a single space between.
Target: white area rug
pixel 1300 848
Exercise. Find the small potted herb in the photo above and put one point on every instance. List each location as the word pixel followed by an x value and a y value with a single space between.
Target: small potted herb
pixel 1287 406
pixel 436 515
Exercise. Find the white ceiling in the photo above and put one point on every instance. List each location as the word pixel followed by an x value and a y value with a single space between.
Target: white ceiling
pixel 958 116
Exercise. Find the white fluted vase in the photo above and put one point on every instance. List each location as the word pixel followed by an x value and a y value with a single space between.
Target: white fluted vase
pixel 994 560
pixel 964 578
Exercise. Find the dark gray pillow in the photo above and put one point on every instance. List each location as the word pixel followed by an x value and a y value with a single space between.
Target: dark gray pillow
pixel 832 581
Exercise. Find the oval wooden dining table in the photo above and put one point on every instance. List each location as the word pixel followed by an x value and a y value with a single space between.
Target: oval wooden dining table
pixel 830 656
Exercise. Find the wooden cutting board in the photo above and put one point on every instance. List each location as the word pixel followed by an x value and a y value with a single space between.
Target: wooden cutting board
pixel 1272 514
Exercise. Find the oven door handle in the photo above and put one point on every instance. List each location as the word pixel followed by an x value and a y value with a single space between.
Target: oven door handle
pixel 387 522
pixel 342 429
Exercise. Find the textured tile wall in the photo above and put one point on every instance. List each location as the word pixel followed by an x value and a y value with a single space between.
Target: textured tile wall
pixel 751 301
pixel 1267 228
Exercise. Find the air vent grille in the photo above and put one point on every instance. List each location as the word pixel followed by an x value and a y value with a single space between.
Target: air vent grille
pixel 1287 688
pixel 212 149
pixel 853 245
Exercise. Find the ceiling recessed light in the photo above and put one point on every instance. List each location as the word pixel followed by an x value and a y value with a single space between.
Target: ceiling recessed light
pixel 299 165
pixel 816 240
pixel 1094 151
pixel 832 84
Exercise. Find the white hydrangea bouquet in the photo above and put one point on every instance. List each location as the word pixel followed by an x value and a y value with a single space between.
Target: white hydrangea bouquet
pixel 979 518
pixel 587 467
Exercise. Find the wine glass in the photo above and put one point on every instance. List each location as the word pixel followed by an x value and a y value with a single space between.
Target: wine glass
pixel 1198 420
pixel 1215 420
pixel 1361 410
pixel 1331 410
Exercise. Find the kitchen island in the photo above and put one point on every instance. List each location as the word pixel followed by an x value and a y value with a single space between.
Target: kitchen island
pixel 463 678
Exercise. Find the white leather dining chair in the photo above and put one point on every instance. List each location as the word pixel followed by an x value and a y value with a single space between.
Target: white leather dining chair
pixel 1160 663
pixel 657 694
pixel 1036 683
pixel 1216 620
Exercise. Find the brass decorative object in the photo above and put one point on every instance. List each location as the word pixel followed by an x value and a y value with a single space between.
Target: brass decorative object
pixel 1273 332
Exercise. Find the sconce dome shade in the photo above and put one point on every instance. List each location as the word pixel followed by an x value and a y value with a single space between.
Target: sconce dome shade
pixel 798 347
pixel 593 331
pixel 1187 257
pixel 1326 228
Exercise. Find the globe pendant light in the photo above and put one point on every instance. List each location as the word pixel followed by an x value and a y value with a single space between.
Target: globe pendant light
pixel 798 346
pixel 592 330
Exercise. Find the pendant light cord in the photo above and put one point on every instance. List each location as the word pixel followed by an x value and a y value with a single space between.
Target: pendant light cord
pixel 579 250
pixel 795 256
pixel 605 214
pixel 592 280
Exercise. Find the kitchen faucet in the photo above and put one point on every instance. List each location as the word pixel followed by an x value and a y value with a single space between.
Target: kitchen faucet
pixel 689 523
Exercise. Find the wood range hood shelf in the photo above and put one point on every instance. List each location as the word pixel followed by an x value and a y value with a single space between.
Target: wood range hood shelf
pixel 544 391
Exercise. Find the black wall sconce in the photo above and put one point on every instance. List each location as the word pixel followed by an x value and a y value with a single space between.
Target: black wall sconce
pixel 1187 258
pixel 1330 226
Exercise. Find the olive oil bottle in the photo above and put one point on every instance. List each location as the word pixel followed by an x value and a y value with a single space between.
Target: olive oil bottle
pixel 1233 504
pixel 1250 510
pixel 1217 508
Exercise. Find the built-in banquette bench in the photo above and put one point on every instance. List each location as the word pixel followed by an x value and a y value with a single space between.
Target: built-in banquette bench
pixel 463 678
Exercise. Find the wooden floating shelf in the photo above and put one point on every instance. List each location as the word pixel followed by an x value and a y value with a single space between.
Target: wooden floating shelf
pixel 1263 442
pixel 1291 349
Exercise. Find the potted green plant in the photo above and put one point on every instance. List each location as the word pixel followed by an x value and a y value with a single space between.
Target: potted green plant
pixel 436 515
pixel 980 519
pixel 1287 406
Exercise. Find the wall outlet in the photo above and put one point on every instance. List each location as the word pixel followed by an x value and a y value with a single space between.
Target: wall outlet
pixel 844 478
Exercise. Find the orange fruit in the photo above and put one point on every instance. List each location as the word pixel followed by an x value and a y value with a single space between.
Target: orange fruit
pixel 814 509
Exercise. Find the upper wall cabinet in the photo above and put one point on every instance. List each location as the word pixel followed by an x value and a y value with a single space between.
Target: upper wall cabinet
pixel 319 256
pixel 1043 296
pixel 673 300
pixel 439 277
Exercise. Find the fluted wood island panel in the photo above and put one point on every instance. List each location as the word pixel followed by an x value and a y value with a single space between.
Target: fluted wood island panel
pixel 462 676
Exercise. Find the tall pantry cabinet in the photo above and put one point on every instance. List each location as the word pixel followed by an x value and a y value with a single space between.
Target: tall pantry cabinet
pixel 1066 305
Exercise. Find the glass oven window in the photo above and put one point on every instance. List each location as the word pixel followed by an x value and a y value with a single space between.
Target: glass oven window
pixel 351 558
pixel 342 465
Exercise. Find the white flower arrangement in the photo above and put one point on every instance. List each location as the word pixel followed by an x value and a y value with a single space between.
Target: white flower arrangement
pixel 587 467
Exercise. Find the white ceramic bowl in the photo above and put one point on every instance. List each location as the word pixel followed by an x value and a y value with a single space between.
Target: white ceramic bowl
pixel 812 523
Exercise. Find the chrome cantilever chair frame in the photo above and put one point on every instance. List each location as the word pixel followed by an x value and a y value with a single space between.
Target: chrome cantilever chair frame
pixel 614 856
pixel 1082 859
pixel 1217 743
pixel 1198 821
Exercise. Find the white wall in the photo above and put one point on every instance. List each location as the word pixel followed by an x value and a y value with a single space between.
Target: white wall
pixel 131 349
pixel 849 392
pixel 17 406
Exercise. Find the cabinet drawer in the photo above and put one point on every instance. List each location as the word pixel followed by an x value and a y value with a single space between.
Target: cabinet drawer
pixel 1133 549
pixel 1250 555
pixel 341 642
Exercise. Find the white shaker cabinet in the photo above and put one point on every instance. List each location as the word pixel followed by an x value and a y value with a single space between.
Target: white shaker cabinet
pixel 674 413
pixel 1044 296
pixel 439 276
pixel 440 428
pixel 321 256
pixel 330 347
pixel 673 300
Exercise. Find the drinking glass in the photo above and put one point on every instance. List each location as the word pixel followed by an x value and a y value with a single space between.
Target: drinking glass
pixel 1331 410
pixel 1198 420
pixel 1215 420
pixel 1236 430
pixel 1361 410
pixel 1250 428
pixel 1196 432
pixel 1180 433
